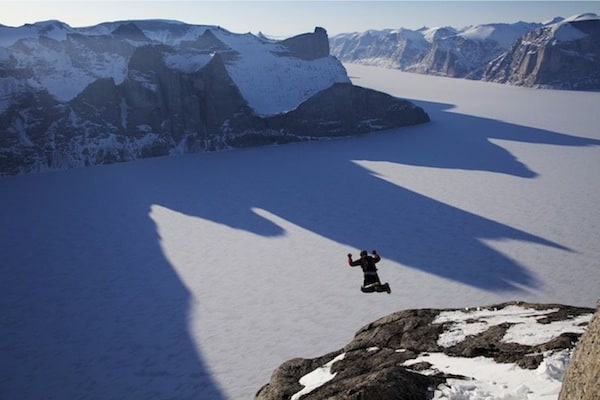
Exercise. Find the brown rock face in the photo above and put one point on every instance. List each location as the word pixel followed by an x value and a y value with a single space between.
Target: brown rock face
pixel 582 381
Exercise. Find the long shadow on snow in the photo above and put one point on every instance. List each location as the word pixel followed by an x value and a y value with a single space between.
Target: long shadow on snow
pixel 91 308
pixel 321 188
pixel 463 142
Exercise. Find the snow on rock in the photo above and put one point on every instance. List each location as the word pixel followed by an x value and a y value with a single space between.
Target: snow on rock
pixel 273 83
pixel 486 379
pixel 503 34
pixel 317 378
pixel 187 61
pixel 526 329
pixel 567 31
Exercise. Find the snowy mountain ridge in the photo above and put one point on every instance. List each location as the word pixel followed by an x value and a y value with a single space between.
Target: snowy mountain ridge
pixel 474 52
pixel 30 47
pixel 120 91
pixel 416 50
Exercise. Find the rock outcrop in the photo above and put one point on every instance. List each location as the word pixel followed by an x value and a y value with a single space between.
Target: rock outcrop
pixel 346 109
pixel 308 46
pixel 582 380
pixel 377 363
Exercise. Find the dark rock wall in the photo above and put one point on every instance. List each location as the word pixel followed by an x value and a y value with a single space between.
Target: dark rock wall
pixel 540 59
pixel 309 46
pixel 582 380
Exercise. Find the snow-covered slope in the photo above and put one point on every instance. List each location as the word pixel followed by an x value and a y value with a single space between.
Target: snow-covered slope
pixel 196 276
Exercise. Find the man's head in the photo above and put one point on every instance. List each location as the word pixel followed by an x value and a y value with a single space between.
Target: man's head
pixel 364 253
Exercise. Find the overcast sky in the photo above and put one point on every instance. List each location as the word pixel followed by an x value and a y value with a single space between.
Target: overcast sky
pixel 287 18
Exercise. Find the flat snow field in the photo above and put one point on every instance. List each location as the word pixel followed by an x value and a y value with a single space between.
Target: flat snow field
pixel 194 277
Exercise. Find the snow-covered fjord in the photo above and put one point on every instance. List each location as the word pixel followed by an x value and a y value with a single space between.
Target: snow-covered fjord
pixel 195 276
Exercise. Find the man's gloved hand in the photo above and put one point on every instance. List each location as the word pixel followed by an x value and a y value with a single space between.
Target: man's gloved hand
pixel 374 251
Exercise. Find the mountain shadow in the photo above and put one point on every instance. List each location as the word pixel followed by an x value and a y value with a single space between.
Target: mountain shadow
pixel 321 188
pixel 91 308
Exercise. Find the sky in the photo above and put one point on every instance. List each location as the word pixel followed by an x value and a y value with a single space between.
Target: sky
pixel 288 18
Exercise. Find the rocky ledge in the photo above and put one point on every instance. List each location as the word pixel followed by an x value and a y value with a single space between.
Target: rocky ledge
pixel 393 357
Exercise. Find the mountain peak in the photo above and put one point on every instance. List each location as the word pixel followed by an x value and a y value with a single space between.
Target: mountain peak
pixel 129 30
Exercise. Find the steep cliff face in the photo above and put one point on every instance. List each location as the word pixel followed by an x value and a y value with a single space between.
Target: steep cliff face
pixel 345 109
pixel 565 55
pixel 309 46
pixel 561 54
pixel 582 380
pixel 127 90
pixel 443 51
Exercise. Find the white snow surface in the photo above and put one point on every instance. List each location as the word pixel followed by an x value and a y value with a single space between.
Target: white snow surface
pixel 527 330
pixel 317 378
pixel 196 276
pixel 564 31
pixel 488 380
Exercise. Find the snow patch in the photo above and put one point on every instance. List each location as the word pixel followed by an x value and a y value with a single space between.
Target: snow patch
pixel 486 379
pixel 317 378
pixel 188 61
pixel 527 330
pixel 503 34
pixel 565 31
pixel 531 333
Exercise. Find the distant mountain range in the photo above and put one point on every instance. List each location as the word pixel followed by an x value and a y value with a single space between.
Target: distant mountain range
pixel 125 90
pixel 559 54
